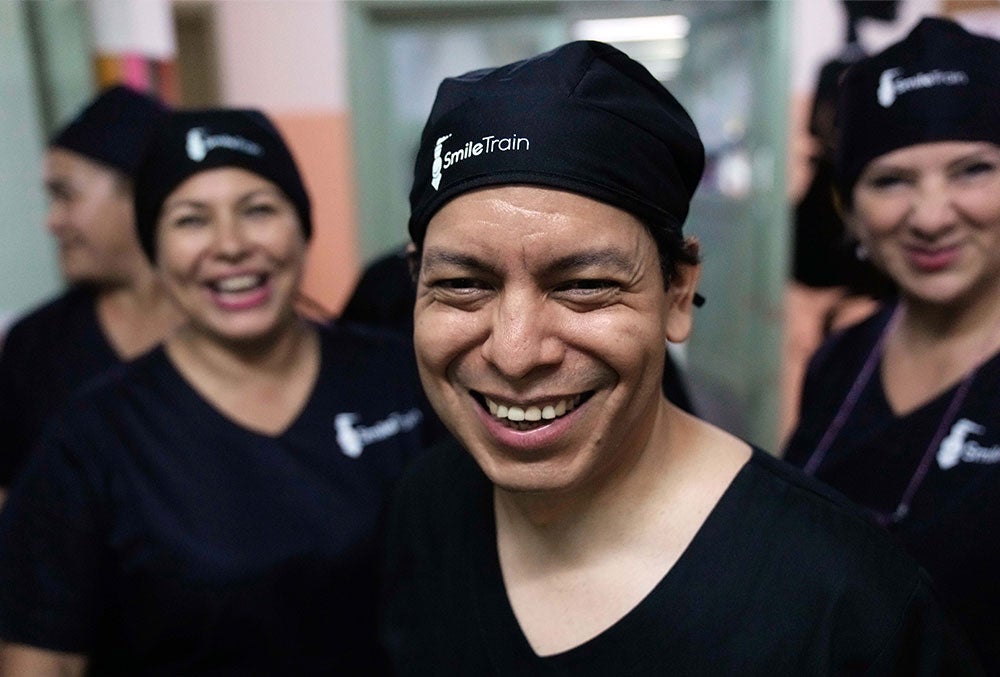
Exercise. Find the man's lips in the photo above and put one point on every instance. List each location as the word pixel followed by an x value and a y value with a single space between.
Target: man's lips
pixel 527 415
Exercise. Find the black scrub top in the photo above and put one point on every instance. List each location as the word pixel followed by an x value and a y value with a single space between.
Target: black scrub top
pixel 952 525
pixel 45 356
pixel 157 536
pixel 783 578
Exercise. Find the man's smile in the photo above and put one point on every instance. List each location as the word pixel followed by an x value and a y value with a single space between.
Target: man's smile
pixel 527 416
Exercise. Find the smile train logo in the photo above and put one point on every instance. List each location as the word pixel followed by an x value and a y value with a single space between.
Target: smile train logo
pixel 438 162
pixel 484 146
pixel 890 86
pixel 353 437
pixel 958 448
pixel 199 142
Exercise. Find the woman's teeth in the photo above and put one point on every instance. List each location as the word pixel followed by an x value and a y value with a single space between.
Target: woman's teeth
pixel 238 283
pixel 547 412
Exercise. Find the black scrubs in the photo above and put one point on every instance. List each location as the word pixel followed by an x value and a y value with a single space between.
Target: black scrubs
pixel 154 534
pixel 952 523
pixel 783 578
pixel 46 355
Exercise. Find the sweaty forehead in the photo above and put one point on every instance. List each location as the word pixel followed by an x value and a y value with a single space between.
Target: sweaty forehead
pixel 534 217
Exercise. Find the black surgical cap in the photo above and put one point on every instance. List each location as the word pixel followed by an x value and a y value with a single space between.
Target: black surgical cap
pixel 940 83
pixel 113 129
pixel 196 141
pixel 583 117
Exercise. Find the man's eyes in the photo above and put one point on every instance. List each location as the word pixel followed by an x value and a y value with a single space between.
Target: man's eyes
pixel 460 283
pixel 588 285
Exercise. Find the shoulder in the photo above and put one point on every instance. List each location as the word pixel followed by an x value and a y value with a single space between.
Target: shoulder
pixel 123 387
pixel 833 539
pixel 50 319
pixel 815 504
pixel 841 581
pixel 439 487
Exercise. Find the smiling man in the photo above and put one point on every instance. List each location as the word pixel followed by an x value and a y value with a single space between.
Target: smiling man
pixel 583 524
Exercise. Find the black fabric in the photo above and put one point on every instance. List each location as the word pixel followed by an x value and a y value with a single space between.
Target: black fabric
pixel 159 537
pixel 385 294
pixel 114 128
pixel 583 117
pixel 953 525
pixel 940 83
pixel 193 141
pixel 46 355
pixel 782 579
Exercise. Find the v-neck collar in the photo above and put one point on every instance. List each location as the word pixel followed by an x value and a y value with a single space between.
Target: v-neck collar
pixel 508 647
pixel 210 410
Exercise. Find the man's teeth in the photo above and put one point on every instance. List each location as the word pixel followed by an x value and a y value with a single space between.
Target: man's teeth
pixel 533 413
pixel 238 283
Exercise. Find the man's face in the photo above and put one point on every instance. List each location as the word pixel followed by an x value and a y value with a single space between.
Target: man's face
pixel 540 324
pixel 91 216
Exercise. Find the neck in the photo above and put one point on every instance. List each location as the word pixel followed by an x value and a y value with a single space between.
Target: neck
pixel 616 497
pixel 935 324
pixel 136 315
pixel 141 290
pixel 270 356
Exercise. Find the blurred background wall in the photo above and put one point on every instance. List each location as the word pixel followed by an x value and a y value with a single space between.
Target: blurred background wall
pixel 349 83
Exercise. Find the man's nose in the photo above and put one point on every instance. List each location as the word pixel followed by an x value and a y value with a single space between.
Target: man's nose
pixel 523 335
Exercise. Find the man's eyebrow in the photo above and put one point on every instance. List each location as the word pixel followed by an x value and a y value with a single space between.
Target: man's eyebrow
pixel 611 258
pixel 446 257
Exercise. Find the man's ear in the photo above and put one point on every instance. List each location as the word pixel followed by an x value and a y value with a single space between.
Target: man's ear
pixel 680 302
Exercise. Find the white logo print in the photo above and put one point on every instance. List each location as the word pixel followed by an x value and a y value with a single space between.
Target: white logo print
pixel 890 87
pixel 353 438
pixel 487 144
pixel 956 448
pixel 436 167
pixel 199 142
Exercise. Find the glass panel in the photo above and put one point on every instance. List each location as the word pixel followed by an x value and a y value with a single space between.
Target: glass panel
pixel 28 270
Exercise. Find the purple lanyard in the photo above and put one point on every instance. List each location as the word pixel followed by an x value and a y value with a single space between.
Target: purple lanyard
pixel 851 400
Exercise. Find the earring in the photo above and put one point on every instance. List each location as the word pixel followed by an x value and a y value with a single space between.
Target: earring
pixel 861 252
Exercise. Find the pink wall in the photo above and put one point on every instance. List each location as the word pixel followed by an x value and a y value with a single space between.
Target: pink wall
pixel 322 145
pixel 288 58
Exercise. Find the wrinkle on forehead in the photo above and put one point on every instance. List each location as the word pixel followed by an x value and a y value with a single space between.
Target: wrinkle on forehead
pixel 540 222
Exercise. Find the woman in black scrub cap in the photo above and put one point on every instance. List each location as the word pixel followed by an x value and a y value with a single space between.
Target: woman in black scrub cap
pixel 214 507
pixel 902 412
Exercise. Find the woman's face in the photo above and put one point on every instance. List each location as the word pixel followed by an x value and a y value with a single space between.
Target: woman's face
pixel 90 216
pixel 929 216
pixel 230 250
